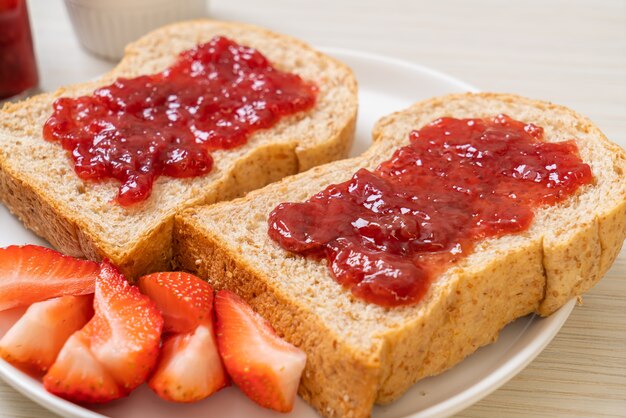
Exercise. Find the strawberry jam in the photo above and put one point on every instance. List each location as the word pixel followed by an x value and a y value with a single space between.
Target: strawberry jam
pixel 18 69
pixel 386 233
pixel 136 129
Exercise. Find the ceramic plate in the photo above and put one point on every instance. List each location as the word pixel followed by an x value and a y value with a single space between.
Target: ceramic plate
pixel 385 85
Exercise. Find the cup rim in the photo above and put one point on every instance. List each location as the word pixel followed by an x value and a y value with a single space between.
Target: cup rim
pixel 125 5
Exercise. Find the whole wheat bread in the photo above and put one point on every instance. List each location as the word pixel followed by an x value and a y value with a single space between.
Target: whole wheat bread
pixel 38 183
pixel 360 353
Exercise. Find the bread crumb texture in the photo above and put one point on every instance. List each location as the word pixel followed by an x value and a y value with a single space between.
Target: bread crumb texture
pixel 38 183
pixel 359 353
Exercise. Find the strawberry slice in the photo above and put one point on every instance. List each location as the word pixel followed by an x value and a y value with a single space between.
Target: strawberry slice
pixel 190 367
pixel 183 299
pixel 125 333
pixel 35 340
pixel 78 376
pixel 265 367
pixel 31 273
pixel 119 345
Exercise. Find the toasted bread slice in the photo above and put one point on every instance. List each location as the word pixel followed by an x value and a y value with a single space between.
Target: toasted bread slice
pixel 360 353
pixel 38 183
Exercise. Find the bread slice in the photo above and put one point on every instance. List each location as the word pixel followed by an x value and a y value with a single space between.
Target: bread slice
pixel 360 353
pixel 38 183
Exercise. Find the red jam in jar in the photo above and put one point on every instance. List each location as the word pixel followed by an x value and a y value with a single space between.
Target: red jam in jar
pixel 386 233
pixel 18 70
pixel 213 97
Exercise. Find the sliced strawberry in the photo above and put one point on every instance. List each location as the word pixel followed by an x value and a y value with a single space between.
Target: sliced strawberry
pixel 35 340
pixel 190 367
pixel 265 367
pixel 78 376
pixel 30 274
pixel 183 299
pixel 125 333
pixel 123 337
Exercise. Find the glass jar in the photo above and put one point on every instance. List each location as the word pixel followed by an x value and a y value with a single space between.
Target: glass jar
pixel 18 70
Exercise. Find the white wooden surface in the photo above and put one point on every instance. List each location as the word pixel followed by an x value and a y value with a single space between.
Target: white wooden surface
pixel 570 52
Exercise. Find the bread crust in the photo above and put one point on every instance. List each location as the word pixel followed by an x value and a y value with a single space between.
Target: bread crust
pixel 340 381
pixel 48 214
pixel 464 310
pixel 355 374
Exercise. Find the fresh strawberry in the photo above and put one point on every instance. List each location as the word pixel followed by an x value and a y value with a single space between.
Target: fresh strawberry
pixel 30 274
pixel 35 340
pixel 190 367
pixel 183 299
pixel 125 333
pixel 265 367
pixel 119 345
pixel 77 374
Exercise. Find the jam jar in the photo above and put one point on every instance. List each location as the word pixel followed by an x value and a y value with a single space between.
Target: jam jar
pixel 18 70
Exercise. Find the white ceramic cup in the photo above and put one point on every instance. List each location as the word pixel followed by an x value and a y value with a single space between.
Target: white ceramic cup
pixel 105 27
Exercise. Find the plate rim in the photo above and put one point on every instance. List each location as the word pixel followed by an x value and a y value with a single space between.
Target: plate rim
pixel 504 372
pixel 398 62
pixel 458 402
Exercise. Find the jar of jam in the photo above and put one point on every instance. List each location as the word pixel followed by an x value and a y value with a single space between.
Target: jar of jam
pixel 18 70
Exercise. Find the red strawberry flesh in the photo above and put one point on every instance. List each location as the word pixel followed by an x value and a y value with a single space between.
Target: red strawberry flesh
pixel 183 299
pixel 78 376
pixel 189 367
pixel 31 273
pixel 35 340
pixel 264 366
pixel 121 342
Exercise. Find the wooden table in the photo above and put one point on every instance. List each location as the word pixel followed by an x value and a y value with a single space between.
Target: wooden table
pixel 570 52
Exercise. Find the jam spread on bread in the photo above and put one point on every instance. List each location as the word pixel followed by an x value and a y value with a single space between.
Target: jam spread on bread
pixel 386 233
pixel 213 97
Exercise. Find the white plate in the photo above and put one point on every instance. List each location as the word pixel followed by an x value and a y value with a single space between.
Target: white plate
pixel 385 85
